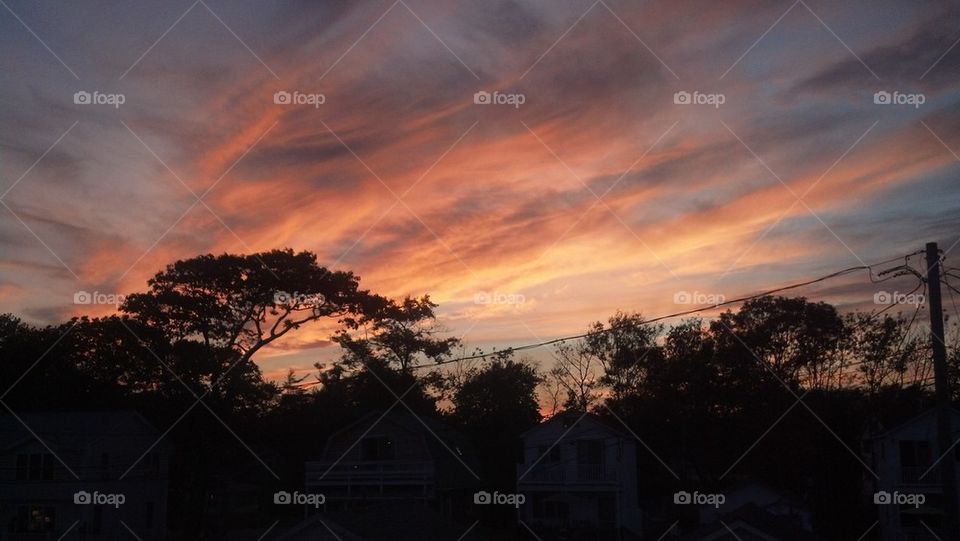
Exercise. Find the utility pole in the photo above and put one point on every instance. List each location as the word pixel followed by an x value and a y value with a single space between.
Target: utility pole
pixel 944 413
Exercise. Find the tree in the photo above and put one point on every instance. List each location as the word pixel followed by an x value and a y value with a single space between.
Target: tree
pixel 627 349
pixel 404 334
pixel 577 374
pixel 501 396
pixel 244 302
pixel 796 341
pixel 218 311
pixel 882 349
pixel 495 404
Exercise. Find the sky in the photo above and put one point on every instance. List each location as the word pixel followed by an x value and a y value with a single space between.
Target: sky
pixel 532 165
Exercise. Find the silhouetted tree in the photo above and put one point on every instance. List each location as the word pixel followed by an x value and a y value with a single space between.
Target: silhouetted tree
pixel 404 334
pixel 495 404
pixel 626 348
pixel 577 375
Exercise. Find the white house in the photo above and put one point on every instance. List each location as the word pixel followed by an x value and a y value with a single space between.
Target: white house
pixel 394 456
pixel 766 498
pixel 60 476
pixel 909 492
pixel 579 474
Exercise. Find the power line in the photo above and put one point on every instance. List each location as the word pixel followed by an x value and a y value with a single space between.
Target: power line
pixel 893 272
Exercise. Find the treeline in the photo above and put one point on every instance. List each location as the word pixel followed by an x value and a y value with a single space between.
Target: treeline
pixel 698 394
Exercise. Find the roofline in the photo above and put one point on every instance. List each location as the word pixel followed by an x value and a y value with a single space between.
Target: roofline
pixel 594 416
pixel 911 420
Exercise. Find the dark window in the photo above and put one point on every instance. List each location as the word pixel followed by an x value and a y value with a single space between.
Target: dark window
pixel 589 452
pixel 22 471
pixel 607 509
pixel 148 515
pixel 915 453
pixel 152 465
pixel 97 523
pixel 916 456
pixel 35 518
pixel 376 448
pixel 549 455
pixel 35 467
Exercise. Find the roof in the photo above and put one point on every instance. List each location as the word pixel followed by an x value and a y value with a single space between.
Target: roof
pixel 401 520
pixel 753 518
pixel 316 528
pixel 574 418
pixel 450 450
pixel 915 419
pixel 75 429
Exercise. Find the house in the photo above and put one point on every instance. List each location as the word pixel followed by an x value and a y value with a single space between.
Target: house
pixel 909 493
pixel 751 522
pixel 316 528
pixel 770 500
pixel 89 475
pixel 579 474
pixel 395 456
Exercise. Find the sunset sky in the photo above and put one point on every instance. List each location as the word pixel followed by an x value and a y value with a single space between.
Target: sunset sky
pixel 598 192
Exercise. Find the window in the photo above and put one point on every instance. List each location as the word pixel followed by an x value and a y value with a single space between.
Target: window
pixel 35 518
pixel 916 456
pixel 151 466
pixel 148 515
pixel 589 452
pixel 915 453
pixel 548 454
pixel 35 467
pixel 376 448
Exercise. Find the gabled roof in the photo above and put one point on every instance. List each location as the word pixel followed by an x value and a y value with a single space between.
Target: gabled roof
pixel 449 449
pixel 418 424
pixel 574 418
pixel 759 522
pixel 317 529
pixel 74 429
pixel 916 419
